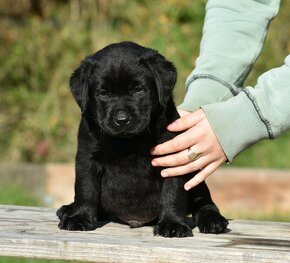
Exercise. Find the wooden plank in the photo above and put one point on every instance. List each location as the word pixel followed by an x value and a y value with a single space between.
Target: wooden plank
pixel 33 232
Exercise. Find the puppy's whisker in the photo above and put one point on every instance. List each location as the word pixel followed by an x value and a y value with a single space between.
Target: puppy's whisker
pixel 149 131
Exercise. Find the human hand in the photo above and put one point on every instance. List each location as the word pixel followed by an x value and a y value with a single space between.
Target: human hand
pixel 197 135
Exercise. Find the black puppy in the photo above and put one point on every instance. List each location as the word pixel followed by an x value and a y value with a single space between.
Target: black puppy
pixel 125 95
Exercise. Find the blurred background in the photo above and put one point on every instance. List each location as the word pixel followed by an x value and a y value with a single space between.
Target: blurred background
pixel 42 42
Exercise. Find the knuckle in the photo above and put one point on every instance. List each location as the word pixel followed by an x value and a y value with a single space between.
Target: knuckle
pixel 158 161
pixel 192 166
pixel 175 143
pixel 179 159
pixel 161 148
pixel 199 179
pixel 170 172
pixel 183 122
pixel 187 121
pixel 166 161
pixel 173 171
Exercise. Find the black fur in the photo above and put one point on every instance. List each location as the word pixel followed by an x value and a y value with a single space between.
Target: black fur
pixel 125 95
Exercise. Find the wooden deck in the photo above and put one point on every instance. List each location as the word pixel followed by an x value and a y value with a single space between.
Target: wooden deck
pixel 32 232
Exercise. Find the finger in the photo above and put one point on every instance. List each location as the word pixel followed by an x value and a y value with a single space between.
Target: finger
pixel 180 142
pixel 183 112
pixel 185 169
pixel 201 176
pixel 172 160
pixel 185 122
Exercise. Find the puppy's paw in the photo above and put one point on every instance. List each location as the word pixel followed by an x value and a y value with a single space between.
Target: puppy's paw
pixel 212 222
pixel 73 218
pixel 172 229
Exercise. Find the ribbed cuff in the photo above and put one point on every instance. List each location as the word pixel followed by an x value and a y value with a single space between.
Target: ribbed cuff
pixel 204 91
pixel 236 124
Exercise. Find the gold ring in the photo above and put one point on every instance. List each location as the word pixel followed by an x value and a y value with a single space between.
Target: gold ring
pixel 193 156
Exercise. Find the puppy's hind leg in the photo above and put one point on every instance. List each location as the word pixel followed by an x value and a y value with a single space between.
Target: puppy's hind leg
pixel 205 213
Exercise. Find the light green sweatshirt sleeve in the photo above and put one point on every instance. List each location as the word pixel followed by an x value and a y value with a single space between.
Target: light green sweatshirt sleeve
pixel 233 36
pixel 254 114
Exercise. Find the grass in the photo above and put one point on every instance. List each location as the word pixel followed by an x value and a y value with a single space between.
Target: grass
pixel 28 260
pixel 267 154
pixel 274 217
pixel 15 195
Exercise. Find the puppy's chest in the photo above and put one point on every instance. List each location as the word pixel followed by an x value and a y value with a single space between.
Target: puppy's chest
pixel 130 185
pixel 128 167
pixel 128 161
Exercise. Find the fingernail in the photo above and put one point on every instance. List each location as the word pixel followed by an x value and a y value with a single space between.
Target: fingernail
pixel 171 125
pixel 187 187
pixel 154 163
pixel 164 174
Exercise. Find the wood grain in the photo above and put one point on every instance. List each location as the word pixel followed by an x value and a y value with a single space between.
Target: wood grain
pixel 33 232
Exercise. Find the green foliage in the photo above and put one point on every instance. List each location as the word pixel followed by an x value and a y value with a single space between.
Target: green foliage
pixel 28 260
pixel 267 154
pixel 15 195
pixel 42 42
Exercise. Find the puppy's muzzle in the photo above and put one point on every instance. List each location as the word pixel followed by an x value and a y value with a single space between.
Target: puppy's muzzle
pixel 122 117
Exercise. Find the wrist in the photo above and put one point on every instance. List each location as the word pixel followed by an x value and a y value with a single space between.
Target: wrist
pixel 202 91
pixel 236 124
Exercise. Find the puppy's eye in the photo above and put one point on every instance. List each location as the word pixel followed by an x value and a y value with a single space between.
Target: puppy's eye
pixel 103 93
pixel 139 90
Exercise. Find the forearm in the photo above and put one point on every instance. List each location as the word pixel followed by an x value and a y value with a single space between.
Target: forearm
pixel 254 114
pixel 233 36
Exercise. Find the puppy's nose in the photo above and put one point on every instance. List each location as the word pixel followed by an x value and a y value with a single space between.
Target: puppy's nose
pixel 122 117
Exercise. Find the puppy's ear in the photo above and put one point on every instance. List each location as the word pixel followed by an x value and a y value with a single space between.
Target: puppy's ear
pixel 164 73
pixel 80 81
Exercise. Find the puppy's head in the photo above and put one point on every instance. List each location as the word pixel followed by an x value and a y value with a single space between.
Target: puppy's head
pixel 122 85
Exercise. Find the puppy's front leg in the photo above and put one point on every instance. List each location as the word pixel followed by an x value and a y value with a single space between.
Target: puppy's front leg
pixel 82 213
pixel 205 213
pixel 171 221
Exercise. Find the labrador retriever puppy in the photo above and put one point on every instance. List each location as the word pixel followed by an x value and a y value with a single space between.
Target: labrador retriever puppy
pixel 125 95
